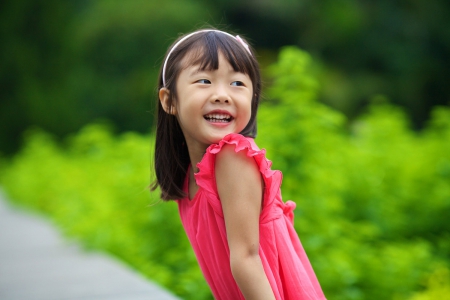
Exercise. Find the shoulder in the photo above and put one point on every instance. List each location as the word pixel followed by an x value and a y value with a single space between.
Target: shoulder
pixel 231 159
pixel 235 150
pixel 235 164
pixel 240 143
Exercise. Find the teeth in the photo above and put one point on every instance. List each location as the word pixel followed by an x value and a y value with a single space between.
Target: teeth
pixel 218 117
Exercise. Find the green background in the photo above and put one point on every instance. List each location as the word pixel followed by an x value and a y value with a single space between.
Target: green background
pixel 358 121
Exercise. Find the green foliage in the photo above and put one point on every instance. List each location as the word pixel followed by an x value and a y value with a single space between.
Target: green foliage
pixel 95 189
pixel 397 48
pixel 372 201
pixel 68 63
pixel 438 286
pixel 373 197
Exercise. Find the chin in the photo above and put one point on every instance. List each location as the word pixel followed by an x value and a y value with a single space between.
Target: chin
pixel 218 137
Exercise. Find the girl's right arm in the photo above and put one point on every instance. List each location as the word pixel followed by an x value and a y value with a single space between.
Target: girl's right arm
pixel 239 184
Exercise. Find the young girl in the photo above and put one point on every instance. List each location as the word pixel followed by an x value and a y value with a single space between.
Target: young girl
pixel 205 158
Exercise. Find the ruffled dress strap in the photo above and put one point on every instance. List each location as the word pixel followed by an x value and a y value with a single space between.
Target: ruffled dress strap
pixel 205 178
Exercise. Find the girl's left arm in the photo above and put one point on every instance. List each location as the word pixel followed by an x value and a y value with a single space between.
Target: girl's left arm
pixel 240 188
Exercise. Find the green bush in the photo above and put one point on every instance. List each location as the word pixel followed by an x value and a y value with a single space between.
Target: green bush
pixel 373 197
pixel 96 189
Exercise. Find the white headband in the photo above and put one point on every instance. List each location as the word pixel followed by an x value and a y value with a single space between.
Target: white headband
pixel 191 34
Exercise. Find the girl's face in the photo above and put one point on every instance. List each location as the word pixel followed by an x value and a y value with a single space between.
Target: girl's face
pixel 212 103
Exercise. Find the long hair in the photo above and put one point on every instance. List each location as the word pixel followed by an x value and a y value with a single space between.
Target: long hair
pixel 171 159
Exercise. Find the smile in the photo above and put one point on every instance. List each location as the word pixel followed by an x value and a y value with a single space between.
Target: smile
pixel 220 118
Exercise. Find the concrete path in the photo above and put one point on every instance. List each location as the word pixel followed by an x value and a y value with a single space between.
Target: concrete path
pixel 36 263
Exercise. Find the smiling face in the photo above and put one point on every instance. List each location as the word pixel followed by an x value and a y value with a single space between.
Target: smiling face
pixel 212 103
pixel 189 117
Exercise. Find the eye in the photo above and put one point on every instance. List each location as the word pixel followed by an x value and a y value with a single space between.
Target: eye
pixel 204 81
pixel 237 83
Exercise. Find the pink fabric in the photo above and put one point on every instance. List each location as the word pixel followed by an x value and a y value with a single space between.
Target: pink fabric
pixel 285 262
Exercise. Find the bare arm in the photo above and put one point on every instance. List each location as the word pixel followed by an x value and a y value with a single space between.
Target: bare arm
pixel 239 185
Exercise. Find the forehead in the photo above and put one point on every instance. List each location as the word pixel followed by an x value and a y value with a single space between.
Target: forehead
pixel 194 64
pixel 199 57
pixel 205 56
pixel 192 58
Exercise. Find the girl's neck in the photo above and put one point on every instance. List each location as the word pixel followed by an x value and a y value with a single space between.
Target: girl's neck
pixel 195 155
pixel 193 186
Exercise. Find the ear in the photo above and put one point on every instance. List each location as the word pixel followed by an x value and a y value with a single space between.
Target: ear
pixel 164 98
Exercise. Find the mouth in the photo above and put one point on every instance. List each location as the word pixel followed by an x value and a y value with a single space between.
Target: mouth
pixel 218 118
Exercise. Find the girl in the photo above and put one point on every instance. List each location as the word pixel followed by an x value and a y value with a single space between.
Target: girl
pixel 205 158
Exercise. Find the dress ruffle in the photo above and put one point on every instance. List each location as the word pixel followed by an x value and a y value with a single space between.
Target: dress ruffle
pixel 272 178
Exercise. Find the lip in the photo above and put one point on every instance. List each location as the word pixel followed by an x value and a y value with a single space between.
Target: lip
pixel 219 111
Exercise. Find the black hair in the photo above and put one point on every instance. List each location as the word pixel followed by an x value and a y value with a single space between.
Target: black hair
pixel 171 157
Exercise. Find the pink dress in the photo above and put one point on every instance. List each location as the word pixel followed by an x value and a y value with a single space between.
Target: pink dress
pixel 285 262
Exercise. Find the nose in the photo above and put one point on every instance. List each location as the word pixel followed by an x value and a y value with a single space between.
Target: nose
pixel 224 100
pixel 221 94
